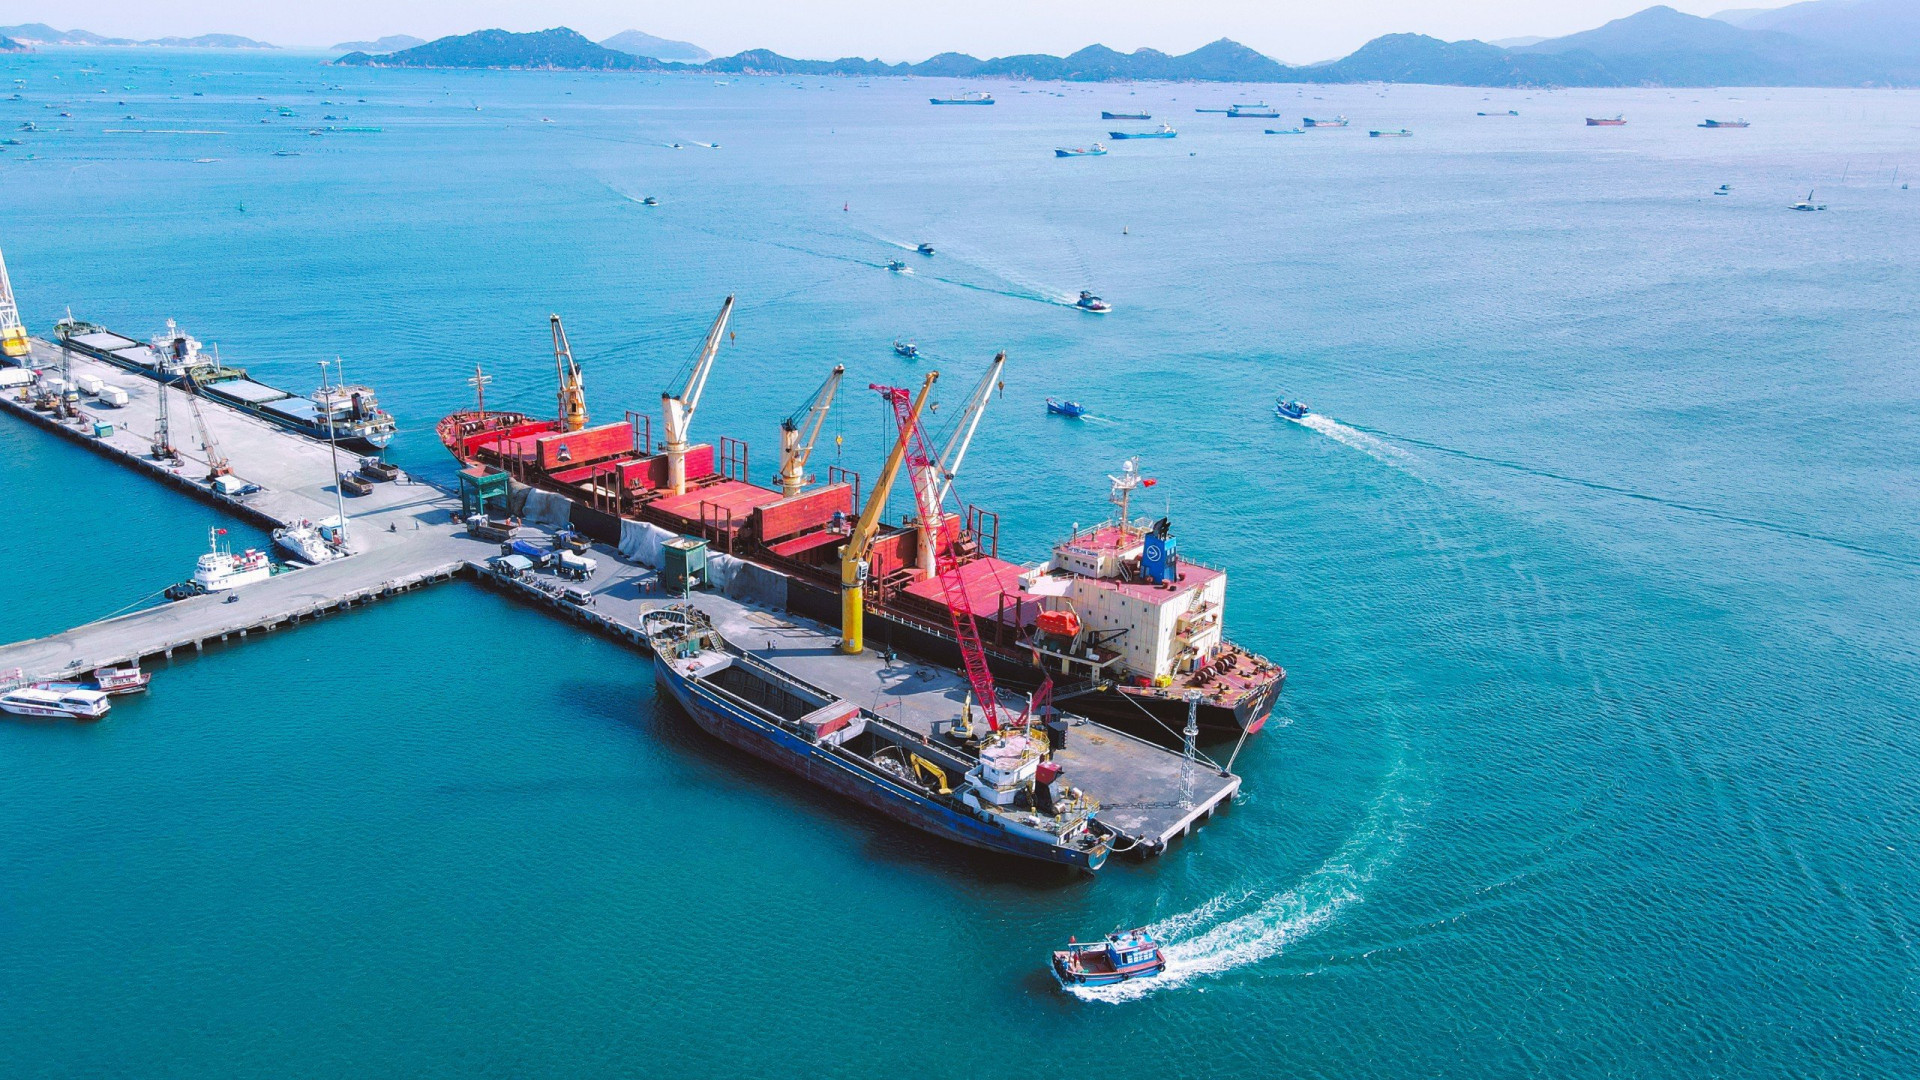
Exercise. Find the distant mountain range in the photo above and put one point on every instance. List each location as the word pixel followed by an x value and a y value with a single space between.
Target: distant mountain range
pixel 390 43
pixel 641 44
pixel 42 34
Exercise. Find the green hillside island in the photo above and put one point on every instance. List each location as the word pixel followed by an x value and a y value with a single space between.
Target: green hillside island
pixel 1658 46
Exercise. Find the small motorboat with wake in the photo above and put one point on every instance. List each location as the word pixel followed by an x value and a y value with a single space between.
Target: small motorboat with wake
pixel 896 266
pixel 1090 302
pixel 1290 410
pixel 1807 204
pixel 924 249
pixel 1124 955
pixel 906 349
pixel 649 201
pixel 1723 189
pixel 1065 408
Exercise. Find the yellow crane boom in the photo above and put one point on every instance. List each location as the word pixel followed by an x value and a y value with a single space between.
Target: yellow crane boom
pixel 573 399
pixel 853 554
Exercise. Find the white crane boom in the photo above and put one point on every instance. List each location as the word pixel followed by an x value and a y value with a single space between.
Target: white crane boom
pixel 13 334
pixel 799 432
pixel 677 410
pixel 937 479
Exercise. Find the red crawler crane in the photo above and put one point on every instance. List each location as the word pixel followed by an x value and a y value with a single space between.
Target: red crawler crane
pixel 925 473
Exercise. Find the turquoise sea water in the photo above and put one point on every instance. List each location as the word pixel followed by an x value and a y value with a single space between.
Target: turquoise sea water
pixel 1595 580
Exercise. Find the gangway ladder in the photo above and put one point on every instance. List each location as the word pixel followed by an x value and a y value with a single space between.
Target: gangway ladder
pixel 13 333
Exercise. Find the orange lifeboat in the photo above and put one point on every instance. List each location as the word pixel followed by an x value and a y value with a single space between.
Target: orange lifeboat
pixel 1059 623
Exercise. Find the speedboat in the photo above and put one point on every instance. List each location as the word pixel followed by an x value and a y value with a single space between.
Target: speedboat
pixel 896 265
pixel 649 201
pixel 1807 204
pixel 907 349
pixel 1096 150
pixel 1723 190
pixel 1132 954
pixel 1066 408
pixel 304 540
pixel 48 701
pixel 924 249
pixel 1090 302
pixel 1290 410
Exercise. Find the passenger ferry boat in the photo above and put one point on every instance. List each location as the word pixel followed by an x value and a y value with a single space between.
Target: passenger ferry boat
pixel 49 702
pixel 1132 954
pixel 351 412
pixel 1007 799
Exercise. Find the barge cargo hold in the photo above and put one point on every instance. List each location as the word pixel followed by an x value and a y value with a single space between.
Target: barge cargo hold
pixel 1005 799
pixel 352 413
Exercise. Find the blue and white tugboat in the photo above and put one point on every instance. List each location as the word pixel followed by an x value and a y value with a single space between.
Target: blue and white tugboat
pixel 1006 798
pixel 1290 410
pixel 1132 954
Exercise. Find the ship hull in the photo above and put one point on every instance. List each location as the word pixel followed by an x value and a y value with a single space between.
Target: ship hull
pixel 817 765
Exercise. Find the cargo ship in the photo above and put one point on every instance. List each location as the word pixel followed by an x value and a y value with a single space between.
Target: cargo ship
pixel 1165 132
pixel 1726 124
pixel 1122 627
pixel 1310 122
pixel 1005 797
pixel 350 413
pixel 1616 120
pixel 1104 115
pixel 977 97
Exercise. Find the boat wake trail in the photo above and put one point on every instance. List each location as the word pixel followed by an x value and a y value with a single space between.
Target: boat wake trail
pixel 1359 439
pixel 1212 939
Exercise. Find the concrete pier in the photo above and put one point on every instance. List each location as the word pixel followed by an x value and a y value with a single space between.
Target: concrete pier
pixel 404 535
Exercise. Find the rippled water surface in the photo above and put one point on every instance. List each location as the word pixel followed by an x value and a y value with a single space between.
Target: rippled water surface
pixel 1595 576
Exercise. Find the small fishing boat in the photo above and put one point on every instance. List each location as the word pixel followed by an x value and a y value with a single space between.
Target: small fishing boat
pixel 1310 122
pixel 1392 133
pixel 1807 204
pixel 121 680
pixel 355 484
pixel 1723 190
pixel 1726 124
pixel 50 702
pixel 1166 132
pixel 374 469
pixel 896 266
pixel 1132 954
pixel 649 201
pixel 907 349
pixel 1104 115
pixel 924 249
pixel 1096 150
pixel 1066 408
pixel 1286 131
pixel 221 569
pixel 1616 120
pixel 1290 410
pixel 1090 302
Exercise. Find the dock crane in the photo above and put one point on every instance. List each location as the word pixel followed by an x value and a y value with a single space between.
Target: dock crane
pixel 573 400
pixel 928 498
pixel 853 554
pixel 937 476
pixel 801 430
pixel 13 334
pixel 216 460
pixel 677 409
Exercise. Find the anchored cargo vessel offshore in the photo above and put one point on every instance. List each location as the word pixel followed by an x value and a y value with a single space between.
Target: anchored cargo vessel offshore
pixel 352 413
pixel 1131 629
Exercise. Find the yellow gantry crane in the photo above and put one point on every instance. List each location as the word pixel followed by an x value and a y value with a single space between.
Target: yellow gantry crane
pixel 573 399
pixel 13 334
pixel 800 431
pixel 853 554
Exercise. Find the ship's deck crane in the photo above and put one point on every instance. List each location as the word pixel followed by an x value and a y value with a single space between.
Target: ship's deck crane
pixel 937 476
pixel 800 431
pixel 573 399
pixel 677 410
pixel 853 554
pixel 13 334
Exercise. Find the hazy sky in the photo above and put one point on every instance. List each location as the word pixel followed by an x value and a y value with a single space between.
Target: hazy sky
pixel 1292 30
